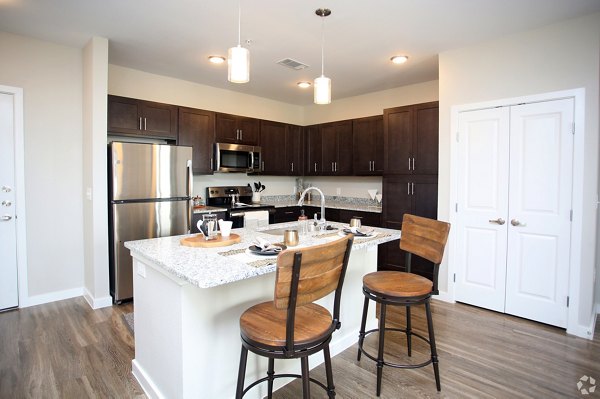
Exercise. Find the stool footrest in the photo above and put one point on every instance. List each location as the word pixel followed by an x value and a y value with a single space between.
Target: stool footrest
pixel 255 383
pixel 395 365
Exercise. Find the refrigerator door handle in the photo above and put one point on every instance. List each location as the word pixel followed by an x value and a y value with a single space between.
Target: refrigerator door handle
pixel 190 191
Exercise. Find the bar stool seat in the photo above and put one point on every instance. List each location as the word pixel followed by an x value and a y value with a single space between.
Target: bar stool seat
pixel 397 284
pixel 265 324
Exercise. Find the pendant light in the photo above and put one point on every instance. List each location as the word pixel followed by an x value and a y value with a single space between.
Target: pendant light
pixel 322 83
pixel 238 58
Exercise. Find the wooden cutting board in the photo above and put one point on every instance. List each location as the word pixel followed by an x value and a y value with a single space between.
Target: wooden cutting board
pixel 199 241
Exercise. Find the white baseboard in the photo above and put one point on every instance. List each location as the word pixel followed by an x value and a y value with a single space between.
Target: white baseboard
pixel 97 303
pixel 52 297
pixel 145 382
pixel 444 296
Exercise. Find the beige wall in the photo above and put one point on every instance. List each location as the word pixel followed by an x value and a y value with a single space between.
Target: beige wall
pixel 51 77
pixel 558 57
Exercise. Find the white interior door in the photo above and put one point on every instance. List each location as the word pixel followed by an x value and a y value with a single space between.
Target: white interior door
pixel 9 295
pixel 514 209
pixel 483 207
pixel 539 230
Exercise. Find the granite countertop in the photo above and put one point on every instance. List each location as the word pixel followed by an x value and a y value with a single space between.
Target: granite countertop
pixel 211 267
pixel 328 204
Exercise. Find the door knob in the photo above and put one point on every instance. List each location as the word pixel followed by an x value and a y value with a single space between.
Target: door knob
pixel 499 221
pixel 6 203
pixel 5 218
pixel 6 189
pixel 515 222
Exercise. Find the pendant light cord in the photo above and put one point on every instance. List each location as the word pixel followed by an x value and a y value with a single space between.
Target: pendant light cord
pixel 322 45
pixel 240 23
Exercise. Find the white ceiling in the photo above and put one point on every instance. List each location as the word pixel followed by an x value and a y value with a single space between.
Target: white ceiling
pixel 174 38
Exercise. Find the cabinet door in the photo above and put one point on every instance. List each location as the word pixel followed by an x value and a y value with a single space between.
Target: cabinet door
pixel 425 139
pixel 328 148
pixel 294 150
pixel 398 125
pixel 197 129
pixel 313 150
pixel 226 129
pixel 372 219
pixel 343 163
pixel 273 147
pixel 124 115
pixel 287 214
pixel 159 120
pixel 367 145
pixel 249 130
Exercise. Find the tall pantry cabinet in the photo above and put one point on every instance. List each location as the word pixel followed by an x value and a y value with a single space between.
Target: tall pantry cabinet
pixel 410 176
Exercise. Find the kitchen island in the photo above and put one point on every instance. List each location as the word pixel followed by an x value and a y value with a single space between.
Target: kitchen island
pixel 188 302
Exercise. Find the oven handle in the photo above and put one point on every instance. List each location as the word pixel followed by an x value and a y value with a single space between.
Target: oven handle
pixel 237 214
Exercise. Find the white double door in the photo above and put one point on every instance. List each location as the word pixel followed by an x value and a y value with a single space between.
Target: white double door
pixel 514 209
pixel 9 297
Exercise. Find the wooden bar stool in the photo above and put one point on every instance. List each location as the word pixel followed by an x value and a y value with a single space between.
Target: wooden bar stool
pixel 427 239
pixel 292 326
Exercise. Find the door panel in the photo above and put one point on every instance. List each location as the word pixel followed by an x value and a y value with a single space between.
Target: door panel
pixel 482 198
pixel 541 151
pixel 9 295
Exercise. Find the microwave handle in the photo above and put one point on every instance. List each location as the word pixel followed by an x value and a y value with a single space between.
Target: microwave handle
pixel 251 161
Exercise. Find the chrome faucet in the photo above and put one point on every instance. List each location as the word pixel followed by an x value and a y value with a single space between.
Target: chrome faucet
pixel 322 221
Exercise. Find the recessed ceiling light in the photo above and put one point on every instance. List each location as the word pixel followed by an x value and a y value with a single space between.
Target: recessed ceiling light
pixel 303 85
pixel 399 59
pixel 216 59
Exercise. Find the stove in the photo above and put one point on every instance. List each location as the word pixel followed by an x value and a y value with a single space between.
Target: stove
pixel 238 201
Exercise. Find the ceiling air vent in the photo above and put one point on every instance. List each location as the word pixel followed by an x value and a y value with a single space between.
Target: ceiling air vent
pixel 293 64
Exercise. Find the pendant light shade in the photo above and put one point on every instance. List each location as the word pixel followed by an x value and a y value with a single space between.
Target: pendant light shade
pixel 322 90
pixel 238 58
pixel 322 84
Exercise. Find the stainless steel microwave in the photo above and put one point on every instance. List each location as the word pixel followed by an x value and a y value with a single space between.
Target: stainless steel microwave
pixel 236 158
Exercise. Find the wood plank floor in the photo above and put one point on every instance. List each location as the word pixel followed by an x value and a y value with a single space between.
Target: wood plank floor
pixel 66 350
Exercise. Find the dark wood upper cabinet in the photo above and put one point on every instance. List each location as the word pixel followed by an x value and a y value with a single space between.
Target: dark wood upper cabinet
pixel 313 142
pixel 367 139
pixel 294 145
pixel 197 129
pixel 130 116
pixel 236 129
pixel 273 147
pixel 411 137
pixel 336 148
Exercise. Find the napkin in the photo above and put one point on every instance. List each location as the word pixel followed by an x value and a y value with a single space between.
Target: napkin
pixel 266 246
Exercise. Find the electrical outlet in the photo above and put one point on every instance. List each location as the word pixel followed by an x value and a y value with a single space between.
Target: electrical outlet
pixel 338 191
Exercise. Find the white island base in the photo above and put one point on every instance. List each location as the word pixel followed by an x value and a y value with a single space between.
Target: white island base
pixel 187 339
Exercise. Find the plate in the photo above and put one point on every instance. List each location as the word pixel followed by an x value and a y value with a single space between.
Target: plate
pixel 268 252
pixel 370 233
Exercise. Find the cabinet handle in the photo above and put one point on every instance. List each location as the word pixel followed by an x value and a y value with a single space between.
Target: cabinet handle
pixel 140 123
pixel 145 124
pixel 292 166
pixel 408 188
pixel 315 166
pixel 412 188
pixel 335 163
pixel 413 163
pixel 263 166
pixel 241 134
pixel 211 164
pixel 408 163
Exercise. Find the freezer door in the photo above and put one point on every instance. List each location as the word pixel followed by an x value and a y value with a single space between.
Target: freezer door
pixel 137 221
pixel 149 171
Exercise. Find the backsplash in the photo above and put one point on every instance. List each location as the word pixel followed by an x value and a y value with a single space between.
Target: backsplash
pixel 316 197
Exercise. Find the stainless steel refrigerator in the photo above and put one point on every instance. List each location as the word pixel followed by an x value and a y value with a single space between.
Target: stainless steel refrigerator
pixel 149 190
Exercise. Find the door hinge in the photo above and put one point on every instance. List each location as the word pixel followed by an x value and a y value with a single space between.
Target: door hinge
pixel 567 301
pixel 456 207
pixel 573 128
pixel 571 215
pixel 454 278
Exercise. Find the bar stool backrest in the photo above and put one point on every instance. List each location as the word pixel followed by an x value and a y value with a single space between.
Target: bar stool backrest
pixel 424 237
pixel 320 270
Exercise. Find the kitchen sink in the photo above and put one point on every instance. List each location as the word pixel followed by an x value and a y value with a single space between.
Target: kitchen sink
pixel 276 232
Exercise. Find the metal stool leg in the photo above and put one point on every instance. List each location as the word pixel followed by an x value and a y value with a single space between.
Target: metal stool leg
pixel 363 323
pixel 270 374
pixel 241 373
pixel 381 346
pixel 305 378
pixel 330 386
pixel 408 332
pixel 434 358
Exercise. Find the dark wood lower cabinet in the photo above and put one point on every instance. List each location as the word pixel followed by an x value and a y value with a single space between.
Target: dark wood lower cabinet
pixel 372 219
pixel 412 194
